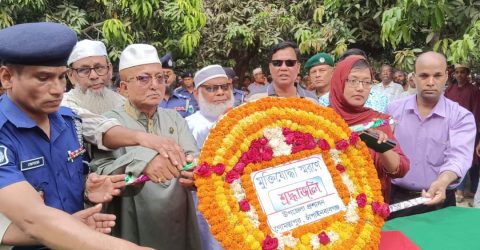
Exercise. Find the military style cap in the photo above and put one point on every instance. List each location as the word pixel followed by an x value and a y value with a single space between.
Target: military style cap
pixel 167 61
pixel 87 48
pixel 230 72
pixel 319 59
pixel 37 44
pixel 207 73
pixel 138 54
pixel 187 74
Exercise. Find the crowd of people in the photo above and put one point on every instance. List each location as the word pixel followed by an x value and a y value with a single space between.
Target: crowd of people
pixel 65 156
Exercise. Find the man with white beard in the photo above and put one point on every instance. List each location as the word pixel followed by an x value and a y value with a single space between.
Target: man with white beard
pixel 214 95
pixel 90 73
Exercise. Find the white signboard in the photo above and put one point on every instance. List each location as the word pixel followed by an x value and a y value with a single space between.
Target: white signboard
pixel 296 193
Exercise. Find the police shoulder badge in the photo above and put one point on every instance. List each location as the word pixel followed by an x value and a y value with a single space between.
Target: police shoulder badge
pixel 3 155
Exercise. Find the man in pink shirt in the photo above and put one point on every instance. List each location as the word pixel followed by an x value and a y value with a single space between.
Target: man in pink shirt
pixel 436 134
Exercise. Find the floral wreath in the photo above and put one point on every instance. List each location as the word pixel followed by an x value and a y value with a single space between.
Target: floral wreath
pixel 274 131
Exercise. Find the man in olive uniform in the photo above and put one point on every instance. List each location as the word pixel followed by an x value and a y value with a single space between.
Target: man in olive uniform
pixel 159 214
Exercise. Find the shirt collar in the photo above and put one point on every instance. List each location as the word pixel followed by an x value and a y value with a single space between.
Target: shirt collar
pixel 15 115
pixel 439 108
pixel 21 120
pixel 271 91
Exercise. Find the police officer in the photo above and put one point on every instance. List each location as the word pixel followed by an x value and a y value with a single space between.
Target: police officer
pixel 187 88
pixel 40 150
pixel 173 100
pixel 237 94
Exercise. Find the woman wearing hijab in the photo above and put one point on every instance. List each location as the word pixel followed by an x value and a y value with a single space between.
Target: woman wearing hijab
pixel 350 87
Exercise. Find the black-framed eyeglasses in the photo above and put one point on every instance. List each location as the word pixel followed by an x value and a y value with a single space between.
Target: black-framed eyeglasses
pixel 279 63
pixel 355 83
pixel 215 88
pixel 101 70
pixel 146 79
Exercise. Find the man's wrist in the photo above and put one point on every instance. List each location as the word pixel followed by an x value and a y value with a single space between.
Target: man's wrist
pixel 86 200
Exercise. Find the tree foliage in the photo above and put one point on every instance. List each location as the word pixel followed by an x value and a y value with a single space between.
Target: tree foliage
pixel 451 27
pixel 172 25
pixel 240 33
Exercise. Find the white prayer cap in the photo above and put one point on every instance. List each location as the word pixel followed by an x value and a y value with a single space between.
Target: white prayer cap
pixel 257 71
pixel 207 73
pixel 138 54
pixel 86 48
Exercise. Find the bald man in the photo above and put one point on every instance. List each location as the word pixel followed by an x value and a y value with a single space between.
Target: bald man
pixel 436 134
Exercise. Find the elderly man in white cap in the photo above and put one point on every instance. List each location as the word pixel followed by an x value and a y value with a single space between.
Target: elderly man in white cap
pixel 90 73
pixel 159 213
pixel 259 84
pixel 214 95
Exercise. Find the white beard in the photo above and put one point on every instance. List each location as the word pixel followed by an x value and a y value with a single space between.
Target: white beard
pixel 98 102
pixel 214 110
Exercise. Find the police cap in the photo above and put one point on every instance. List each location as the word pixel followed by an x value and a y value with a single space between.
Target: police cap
pixel 167 61
pixel 37 44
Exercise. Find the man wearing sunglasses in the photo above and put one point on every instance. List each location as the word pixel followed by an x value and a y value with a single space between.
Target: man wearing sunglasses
pixel 214 94
pixel 284 67
pixel 159 213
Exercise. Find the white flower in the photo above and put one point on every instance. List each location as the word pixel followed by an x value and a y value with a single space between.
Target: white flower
pixel 335 155
pixel 333 236
pixel 351 215
pixel 288 240
pixel 276 141
pixel 315 242
pixel 346 180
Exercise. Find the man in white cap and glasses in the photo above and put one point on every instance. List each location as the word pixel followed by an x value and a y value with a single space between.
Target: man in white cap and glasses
pixel 159 213
pixel 90 73
pixel 214 95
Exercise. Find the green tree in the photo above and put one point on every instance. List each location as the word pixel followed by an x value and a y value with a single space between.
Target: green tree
pixel 172 25
pixel 451 27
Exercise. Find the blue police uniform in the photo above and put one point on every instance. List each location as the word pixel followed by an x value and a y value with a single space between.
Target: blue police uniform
pixel 238 96
pixel 27 154
pixel 179 103
pixel 184 92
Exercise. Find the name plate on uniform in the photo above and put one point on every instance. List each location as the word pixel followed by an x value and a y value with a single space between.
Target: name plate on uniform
pixel 296 193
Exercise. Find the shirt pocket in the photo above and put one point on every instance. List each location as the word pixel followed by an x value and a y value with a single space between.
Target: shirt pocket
pixel 436 151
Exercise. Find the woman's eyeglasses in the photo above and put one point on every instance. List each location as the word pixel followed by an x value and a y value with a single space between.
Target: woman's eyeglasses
pixel 355 83
pixel 279 63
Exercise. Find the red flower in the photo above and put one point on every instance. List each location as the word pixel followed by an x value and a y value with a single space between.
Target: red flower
pixel 239 167
pixel 385 211
pixel 244 205
pixel 341 145
pixel 263 141
pixel 340 168
pixel 267 154
pixel 289 138
pixel 323 144
pixel 354 138
pixel 324 239
pixel 231 176
pixel 219 169
pixel 362 200
pixel 376 207
pixel 270 243
pixel 203 170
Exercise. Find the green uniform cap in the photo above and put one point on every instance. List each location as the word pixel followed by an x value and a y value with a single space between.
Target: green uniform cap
pixel 319 59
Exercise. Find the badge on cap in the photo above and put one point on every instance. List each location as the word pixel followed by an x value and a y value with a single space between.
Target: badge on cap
pixel 171 130
pixel 322 60
pixel 3 155
pixel 170 63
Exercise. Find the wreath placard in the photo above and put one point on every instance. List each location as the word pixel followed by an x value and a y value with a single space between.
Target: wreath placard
pixel 285 173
